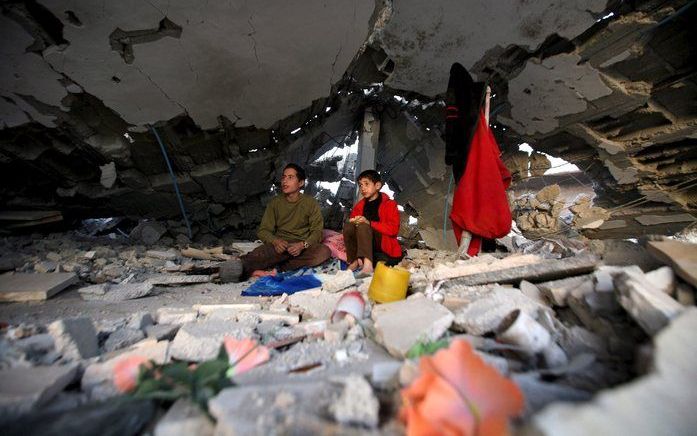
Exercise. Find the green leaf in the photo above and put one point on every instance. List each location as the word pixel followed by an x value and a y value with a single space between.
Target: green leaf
pixel 424 348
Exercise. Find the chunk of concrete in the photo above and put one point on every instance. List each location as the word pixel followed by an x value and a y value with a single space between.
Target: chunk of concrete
pixel 115 293
pixel 486 313
pixel 659 403
pixel 314 303
pixel 357 404
pixel 651 308
pixel 33 287
pixel 199 341
pixel 122 338
pixel 148 232
pixel 557 291
pixel 170 254
pixel 174 315
pixel 24 389
pixel 139 320
pixel 662 279
pixel 402 324
pixel 205 309
pixel 161 331
pixel 75 338
pixel 339 281
pixel 184 418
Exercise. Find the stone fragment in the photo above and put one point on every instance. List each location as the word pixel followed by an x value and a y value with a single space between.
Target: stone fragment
pixel 175 315
pixel 662 279
pixel 230 271
pixel 45 267
pixel 197 342
pixel 122 338
pixel 139 320
pixel 357 404
pixel 557 291
pixel 53 256
pixel 548 194
pixel 659 403
pixel 113 293
pixel 107 418
pixel 161 331
pixel 75 338
pixel 539 164
pixel 402 324
pixel 108 177
pixel 485 314
pixel 532 292
pixel 148 232
pixel 184 418
pixel 24 389
pixel 682 256
pixel 314 303
pixel 651 308
pixel 339 281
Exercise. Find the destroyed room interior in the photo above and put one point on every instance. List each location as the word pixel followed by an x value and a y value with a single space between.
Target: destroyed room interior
pixel 350 217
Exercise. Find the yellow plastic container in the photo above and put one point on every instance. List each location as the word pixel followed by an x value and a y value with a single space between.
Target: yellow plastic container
pixel 388 284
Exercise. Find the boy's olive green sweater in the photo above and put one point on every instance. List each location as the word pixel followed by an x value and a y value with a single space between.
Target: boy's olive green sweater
pixel 298 221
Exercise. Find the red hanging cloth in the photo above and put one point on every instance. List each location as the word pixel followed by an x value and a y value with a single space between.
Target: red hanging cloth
pixel 480 204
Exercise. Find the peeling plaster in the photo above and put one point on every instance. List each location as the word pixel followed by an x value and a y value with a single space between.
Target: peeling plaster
pixel 623 176
pixel 545 91
pixel 425 38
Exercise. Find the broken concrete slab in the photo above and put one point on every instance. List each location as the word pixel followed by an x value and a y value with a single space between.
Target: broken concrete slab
pixel 682 256
pixel 75 338
pixel 122 338
pixel 557 291
pixel 175 315
pixel 659 403
pixel 113 293
pixel 544 270
pixel 17 287
pixel 314 303
pixel 485 314
pixel 652 220
pixel 162 331
pixel 425 321
pixel 651 308
pixel 200 341
pixel 175 279
pixel 184 418
pixel 24 389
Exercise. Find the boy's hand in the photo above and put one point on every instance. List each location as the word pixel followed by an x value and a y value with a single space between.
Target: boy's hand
pixel 360 220
pixel 280 245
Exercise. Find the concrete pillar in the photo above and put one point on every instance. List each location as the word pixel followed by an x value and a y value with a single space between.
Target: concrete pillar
pixel 368 143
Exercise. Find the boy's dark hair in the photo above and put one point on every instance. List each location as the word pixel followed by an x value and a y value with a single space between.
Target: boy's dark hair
pixel 298 170
pixel 371 175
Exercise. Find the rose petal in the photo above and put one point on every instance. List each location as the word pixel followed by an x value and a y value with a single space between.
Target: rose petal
pixel 126 372
pixel 243 355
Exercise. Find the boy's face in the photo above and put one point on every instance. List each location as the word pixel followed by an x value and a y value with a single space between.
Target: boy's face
pixel 290 182
pixel 369 190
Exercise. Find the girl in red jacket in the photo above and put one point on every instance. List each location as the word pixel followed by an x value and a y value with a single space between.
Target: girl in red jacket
pixel 371 233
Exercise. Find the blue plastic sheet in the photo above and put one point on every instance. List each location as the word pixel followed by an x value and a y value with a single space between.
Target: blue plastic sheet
pixel 283 283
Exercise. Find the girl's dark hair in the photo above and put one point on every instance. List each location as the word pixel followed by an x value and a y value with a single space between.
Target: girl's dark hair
pixel 298 170
pixel 371 175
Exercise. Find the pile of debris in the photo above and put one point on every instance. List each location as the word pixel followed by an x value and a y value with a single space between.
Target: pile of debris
pixel 617 342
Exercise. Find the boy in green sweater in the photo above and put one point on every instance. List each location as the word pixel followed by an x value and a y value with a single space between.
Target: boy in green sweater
pixel 291 230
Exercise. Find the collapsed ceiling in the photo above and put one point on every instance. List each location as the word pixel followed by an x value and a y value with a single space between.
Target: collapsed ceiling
pixel 235 90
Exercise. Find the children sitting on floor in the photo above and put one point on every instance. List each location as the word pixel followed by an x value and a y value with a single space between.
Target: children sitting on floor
pixel 370 235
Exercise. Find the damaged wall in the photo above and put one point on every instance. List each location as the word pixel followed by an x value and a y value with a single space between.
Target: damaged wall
pixel 608 86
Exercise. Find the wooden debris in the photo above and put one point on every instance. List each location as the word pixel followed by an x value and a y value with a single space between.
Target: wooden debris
pixel 33 287
pixel 215 253
pixel 682 256
pixel 545 270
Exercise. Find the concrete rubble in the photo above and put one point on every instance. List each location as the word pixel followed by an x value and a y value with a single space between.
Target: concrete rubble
pixel 565 326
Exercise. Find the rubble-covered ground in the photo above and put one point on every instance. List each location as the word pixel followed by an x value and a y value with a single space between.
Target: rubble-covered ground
pixel 592 340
